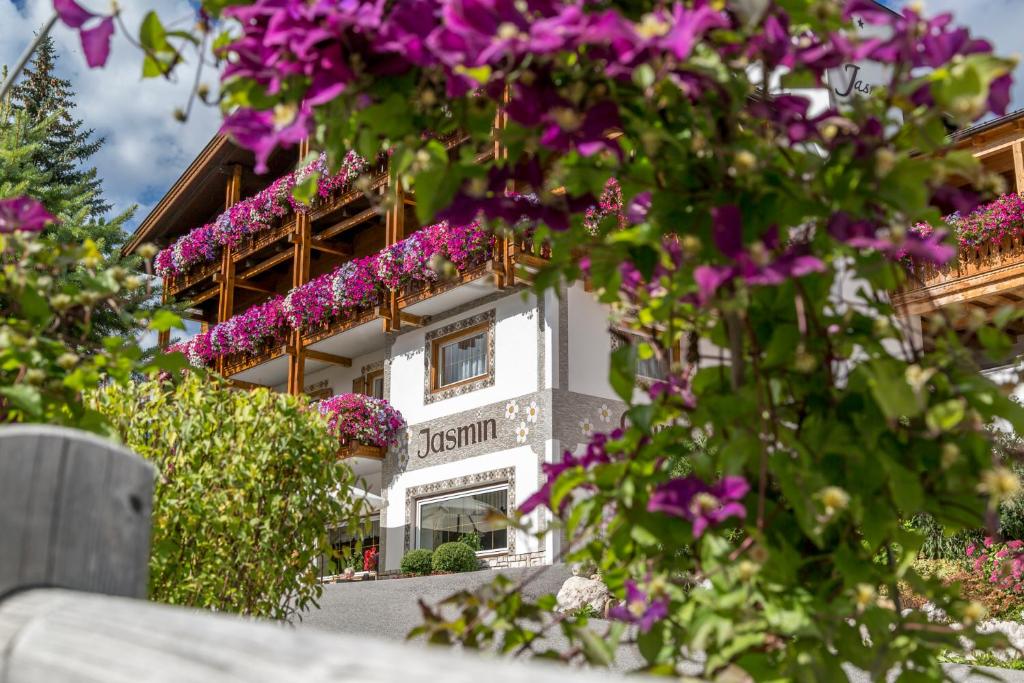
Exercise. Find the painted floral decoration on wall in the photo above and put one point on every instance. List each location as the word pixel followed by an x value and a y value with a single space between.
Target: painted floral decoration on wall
pixel 522 433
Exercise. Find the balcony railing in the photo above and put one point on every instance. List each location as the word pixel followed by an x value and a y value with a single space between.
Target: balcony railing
pixel 989 263
pixel 257 221
pixel 329 314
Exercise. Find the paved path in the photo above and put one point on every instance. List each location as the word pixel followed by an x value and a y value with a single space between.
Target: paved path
pixel 390 608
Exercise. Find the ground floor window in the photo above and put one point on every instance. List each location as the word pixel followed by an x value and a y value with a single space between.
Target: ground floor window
pixel 345 544
pixel 480 512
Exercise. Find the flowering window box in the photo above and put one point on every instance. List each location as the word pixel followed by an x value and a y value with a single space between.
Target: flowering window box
pixel 364 426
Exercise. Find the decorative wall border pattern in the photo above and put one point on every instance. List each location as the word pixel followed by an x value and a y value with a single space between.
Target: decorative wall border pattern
pixel 486 381
pixel 470 481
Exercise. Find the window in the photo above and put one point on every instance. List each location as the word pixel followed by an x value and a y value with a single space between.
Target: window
pixel 459 357
pixel 354 545
pixel 375 384
pixel 445 519
pixel 652 368
pixel 370 384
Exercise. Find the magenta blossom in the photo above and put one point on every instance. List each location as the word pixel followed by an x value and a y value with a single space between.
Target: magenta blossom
pixel 596 454
pixel 95 40
pixel 264 131
pixel 918 244
pixel 23 213
pixel 640 608
pixel 702 504
pixel 362 419
pixel 760 265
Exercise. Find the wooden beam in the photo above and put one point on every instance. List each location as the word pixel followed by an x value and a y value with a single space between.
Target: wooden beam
pixel 252 287
pixel 246 385
pixel 312 354
pixel 410 319
pixel 319 245
pixel 205 296
pixel 1018 165
pixel 347 224
pixel 266 264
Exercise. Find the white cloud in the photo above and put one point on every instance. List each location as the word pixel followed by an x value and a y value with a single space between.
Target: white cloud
pixel 146 148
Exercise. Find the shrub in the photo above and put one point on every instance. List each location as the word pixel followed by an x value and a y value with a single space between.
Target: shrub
pixel 419 561
pixel 455 557
pixel 244 496
pixel 1001 564
pixel 472 540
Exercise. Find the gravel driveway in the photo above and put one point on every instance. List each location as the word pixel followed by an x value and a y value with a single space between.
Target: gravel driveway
pixel 390 608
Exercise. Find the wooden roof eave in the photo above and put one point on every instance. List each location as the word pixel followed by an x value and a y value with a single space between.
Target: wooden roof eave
pixel 209 158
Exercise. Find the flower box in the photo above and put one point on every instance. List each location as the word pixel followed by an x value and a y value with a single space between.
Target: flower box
pixel 364 425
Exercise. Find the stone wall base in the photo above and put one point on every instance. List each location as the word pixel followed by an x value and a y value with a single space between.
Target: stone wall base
pixel 535 559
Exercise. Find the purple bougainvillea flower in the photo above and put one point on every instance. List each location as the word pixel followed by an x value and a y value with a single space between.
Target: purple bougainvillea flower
pixel 595 454
pixel 918 243
pixel 689 25
pixel 639 608
pixel 638 207
pixel 71 13
pixel 999 94
pixel 691 498
pixel 23 213
pixel 95 40
pixel 758 266
pixel 264 131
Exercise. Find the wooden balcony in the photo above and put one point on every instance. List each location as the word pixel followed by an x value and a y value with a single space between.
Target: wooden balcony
pixel 990 275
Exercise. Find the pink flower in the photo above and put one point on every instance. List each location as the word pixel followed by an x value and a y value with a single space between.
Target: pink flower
pixel 761 265
pixel 23 213
pixel 95 40
pixel 362 419
pixel 703 504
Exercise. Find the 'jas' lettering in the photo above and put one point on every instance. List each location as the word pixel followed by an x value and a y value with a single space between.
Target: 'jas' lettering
pixel 855 83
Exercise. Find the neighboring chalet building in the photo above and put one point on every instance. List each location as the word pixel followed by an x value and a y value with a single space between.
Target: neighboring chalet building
pixel 988 273
pixel 491 380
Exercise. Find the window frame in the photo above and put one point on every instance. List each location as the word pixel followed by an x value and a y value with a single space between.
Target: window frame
pixel 369 379
pixel 621 337
pixel 440 342
pixel 462 493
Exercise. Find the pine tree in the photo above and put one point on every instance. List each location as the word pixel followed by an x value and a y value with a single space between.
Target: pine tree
pixel 65 153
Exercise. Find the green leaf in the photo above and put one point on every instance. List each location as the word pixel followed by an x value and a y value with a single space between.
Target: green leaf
pixel 892 393
pixel 25 398
pixel 164 320
pixel 305 191
pixel 996 342
pixel 622 374
pixel 946 415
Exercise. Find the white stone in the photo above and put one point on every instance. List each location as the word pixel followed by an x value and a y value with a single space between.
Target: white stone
pixel 578 591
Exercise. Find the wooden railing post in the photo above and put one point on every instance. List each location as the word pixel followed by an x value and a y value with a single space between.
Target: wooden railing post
pixel 74 512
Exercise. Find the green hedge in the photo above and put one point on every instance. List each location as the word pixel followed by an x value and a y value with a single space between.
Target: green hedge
pixel 417 562
pixel 455 557
pixel 243 498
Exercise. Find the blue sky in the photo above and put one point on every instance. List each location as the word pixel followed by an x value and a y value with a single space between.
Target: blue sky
pixel 147 149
